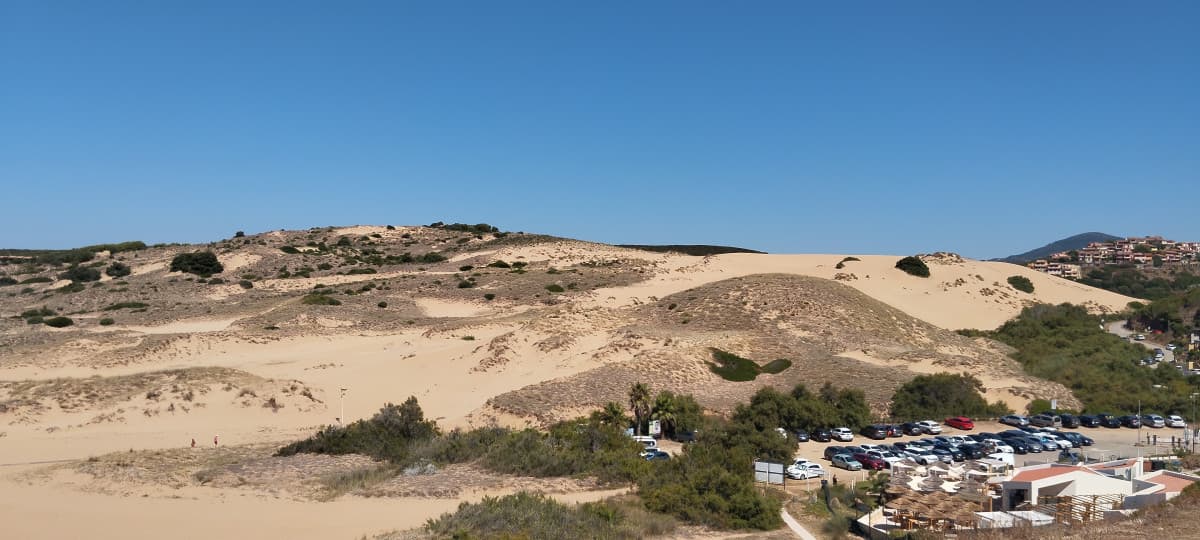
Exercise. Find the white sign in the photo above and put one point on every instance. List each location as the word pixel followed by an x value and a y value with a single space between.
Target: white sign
pixel 1054 404
pixel 770 473
pixel 655 428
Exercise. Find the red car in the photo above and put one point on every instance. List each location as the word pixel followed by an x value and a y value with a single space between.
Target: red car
pixel 870 462
pixel 960 422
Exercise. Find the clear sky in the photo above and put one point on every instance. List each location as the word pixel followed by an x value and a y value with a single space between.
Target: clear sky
pixel 985 128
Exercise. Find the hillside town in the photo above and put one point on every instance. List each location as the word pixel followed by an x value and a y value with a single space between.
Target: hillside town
pixel 1140 251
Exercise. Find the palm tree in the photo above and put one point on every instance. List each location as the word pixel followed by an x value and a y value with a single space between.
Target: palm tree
pixel 639 403
pixel 666 411
pixel 612 414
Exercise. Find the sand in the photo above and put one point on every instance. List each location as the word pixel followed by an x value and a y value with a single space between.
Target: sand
pixel 469 353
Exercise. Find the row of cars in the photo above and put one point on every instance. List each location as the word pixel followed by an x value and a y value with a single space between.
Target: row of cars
pixel 880 432
pixel 1094 420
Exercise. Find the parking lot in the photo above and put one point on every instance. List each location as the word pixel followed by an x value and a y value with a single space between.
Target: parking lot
pixel 1111 443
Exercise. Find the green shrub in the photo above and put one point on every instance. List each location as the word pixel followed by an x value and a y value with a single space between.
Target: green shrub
pixel 554 288
pixel 106 321
pixel 525 515
pixel 37 319
pixel 6 281
pixel 842 263
pixel 290 250
pixel 38 279
pixel 246 284
pixel 59 322
pixel 73 287
pixel 499 264
pixel 942 395
pixel 200 263
pixel 360 271
pixel 466 268
pixel 239 234
pixel 382 304
pixel 117 270
pixel 464 284
pixel 489 297
pixel 124 305
pixel 386 436
pixel 1021 283
pixel 431 257
pixel 734 368
pixel 80 274
pixel 316 299
pixel 913 266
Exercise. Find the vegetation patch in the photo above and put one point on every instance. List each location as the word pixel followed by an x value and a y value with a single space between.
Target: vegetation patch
pixel 1021 283
pixel 80 274
pixel 106 321
pixel 943 395
pixel 118 270
pixel 554 288
pixel 525 515
pixel 316 299
pixel 913 266
pixel 59 322
pixel 734 368
pixel 200 263
pixel 842 263
pixel 125 305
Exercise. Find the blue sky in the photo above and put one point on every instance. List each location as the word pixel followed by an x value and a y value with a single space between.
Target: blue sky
pixel 872 127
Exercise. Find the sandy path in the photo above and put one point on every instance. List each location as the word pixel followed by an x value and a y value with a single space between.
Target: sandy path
pixel 57 511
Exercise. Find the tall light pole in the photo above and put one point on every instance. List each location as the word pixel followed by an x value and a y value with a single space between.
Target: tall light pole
pixel 342 403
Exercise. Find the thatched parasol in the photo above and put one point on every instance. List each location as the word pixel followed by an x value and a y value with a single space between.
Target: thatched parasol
pixel 931 483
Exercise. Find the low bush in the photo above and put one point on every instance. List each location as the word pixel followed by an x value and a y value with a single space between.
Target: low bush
pixel 489 297
pixel 290 250
pixel 525 515
pixel 59 322
pixel 106 321
pixel 360 271
pixel 73 287
pixel 117 270
pixel 246 284
pixel 6 281
pixel 464 284
pixel 842 263
pixel 913 266
pixel 554 288
pixel 386 436
pixel 1021 283
pixel 124 305
pixel 200 263
pixel 466 268
pixel 80 274
pixel 941 395
pixel 38 279
pixel 316 299
pixel 734 368
pixel 499 264
pixel 382 304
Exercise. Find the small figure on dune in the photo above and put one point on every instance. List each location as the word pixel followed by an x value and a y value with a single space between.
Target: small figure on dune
pixel 193 442
pixel 214 440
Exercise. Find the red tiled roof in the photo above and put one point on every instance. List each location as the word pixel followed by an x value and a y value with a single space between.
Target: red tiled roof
pixel 1048 472
pixel 1173 484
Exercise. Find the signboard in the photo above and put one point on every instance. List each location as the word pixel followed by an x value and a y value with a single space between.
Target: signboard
pixel 655 428
pixel 770 473
pixel 1054 404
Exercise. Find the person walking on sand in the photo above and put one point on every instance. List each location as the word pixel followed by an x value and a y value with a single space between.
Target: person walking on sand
pixel 214 440
pixel 193 442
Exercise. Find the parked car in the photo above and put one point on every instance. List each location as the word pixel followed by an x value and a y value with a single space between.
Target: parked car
pixel 842 434
pixel 1109 420
pixel 846 461
pixel 876 432
pixel 655 455
pixel 922 455
pixel 802 469
pixel 1015 420
pixel 1153 421
pixel 801 435
pixel 1048 444
pixel 960 422
pixel 955 452
pixel 869 446
pixel 886 456
pixel 1139 337
pixel 1131 421
pixel 911 428
pixel 894 430
pixel 1068 421
pixel 1078 439
pixel 872 463
pixel 1171 346
pixel 1019 446
pixel 1175 421
pixel 831 451
pixel 1044 420
pixel 1089 420
pixel 973 450
pixel 997 445
pixel 930 427
pixel 943 455
pixel 822 435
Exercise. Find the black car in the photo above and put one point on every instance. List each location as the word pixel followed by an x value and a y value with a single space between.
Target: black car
pixel 831 451
pixel 875 432
pixel 1108 420
pixel 801 435
pixel 1019 446
pixel 1069 421
pixel 822 435
pixel 911 428
pixel 1089 420
pixel 1077 439
pixel 1131 421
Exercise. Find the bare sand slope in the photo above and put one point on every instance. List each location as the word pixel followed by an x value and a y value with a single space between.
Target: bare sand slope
pixel 960 293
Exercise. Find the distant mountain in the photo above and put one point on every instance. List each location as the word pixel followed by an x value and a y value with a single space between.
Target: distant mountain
pixel 1078 241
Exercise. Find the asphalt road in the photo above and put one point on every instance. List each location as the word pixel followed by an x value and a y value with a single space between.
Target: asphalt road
pixel 1118 328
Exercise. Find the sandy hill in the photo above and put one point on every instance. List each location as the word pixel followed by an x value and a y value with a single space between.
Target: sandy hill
pixel 481 326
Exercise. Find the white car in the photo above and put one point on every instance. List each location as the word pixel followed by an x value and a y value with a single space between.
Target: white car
pixel 930 427
pixel 1175 421
pixel 1000 446
pixel 889 457
pixel 1170 346
pixel 1062 441
pixel 842 434
pixel 870 447
pixel 1153 421
pixel 803 469
pixel 921 455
